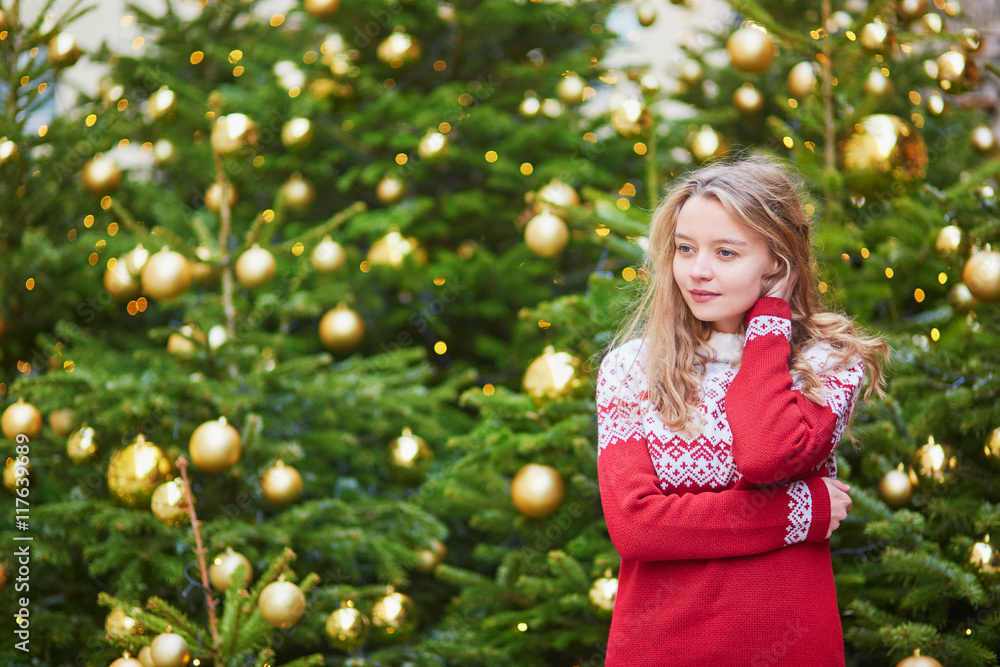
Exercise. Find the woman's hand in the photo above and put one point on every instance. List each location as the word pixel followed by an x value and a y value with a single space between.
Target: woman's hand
pixel 785 286
pixel 840 503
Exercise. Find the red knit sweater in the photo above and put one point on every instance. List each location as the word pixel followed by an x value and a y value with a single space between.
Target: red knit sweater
pixel 725 560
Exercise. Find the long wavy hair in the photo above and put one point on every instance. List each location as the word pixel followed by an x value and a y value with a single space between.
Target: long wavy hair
pixel 765 196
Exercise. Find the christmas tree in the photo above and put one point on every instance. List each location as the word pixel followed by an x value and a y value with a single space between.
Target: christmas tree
pixel 41 155
pixel 886 110
pixel 333 218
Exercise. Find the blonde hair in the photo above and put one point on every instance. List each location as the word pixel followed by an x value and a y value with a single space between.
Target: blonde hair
pixel 762 194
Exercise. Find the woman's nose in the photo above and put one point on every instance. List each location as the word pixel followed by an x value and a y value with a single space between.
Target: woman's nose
pixel 701 268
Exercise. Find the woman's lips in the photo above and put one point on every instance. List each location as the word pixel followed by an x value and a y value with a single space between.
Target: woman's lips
pixel 702 296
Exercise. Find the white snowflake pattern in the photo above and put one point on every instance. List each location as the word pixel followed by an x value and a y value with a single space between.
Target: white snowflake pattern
pixel 800 512
pixel 764 325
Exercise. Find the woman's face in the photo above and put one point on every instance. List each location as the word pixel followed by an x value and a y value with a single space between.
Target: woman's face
pixel 718 265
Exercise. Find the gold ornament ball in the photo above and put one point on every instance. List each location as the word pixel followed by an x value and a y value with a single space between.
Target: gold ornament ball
pixel 877 84
pixel 433 145
pixel 162 105
pixel 908 10
pixel 529 106
pixel 895 488
pixel 282 604
pixel 649 84
pixel 167 274
pixel 631 119
pixel 957 72
pixel 215 445
pixel 557 193
pixel 135 471
pixel 8 151
pixel 234 132
pixel 202 272
pixel 394 617
pixel 328 256
pixel 21 418
pixel 546 234
pixel 347 627
pixel 181 343
pixel 61 421
pixel 408 456
pixel 63 50
pixel 136 259
pixel 602 595
pixel 341 329
pixel 982 275
pixel 570 88
pixel 985 557
pixel 936 106
pixel 431 556
pixel 992 448
pixel 121 284
pixel 537 490
pixel 164 151
pixel 982 138
pixel 321 8
pixel 82 444
pixel 550 375
pixel 929 24
pixel 750 49
pixel 949 239
pixel 917 660
pixel 297 133
pixel 169 504
pixel 281 484
pixel 970 40
pixel 256 267
pixel 213 196
pixel 961 299
pixel 398 48
pixel 646 13
pixel 119 624
pixel 390 190
pixel 10 473
pixel 936 463
pixel 145 658
pixel 126 661
pixel 101 175
pixel 222 571
pixel 748 99
pixel 297 192
pixel 802 79
pixel 552 108
pixel 875 36
pixel 169 650
pixel 884 150
pixel 391 249
pixel 706 144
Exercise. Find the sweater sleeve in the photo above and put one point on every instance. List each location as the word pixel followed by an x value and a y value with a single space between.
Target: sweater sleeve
pixel 646 524
pixel 778 433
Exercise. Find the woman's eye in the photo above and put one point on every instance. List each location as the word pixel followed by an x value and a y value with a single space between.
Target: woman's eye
pixel 727 253
pixel 683 249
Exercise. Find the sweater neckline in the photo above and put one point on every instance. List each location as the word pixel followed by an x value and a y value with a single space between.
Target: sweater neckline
pixel 728 347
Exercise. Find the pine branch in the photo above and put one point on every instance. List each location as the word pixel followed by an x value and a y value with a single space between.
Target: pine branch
pixel 172 617
pixel 210 601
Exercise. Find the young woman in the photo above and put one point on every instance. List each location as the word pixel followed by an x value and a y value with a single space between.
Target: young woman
pixel 717 423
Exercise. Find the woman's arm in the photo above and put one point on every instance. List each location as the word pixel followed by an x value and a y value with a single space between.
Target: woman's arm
pixel 778 433
pixel 645 524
